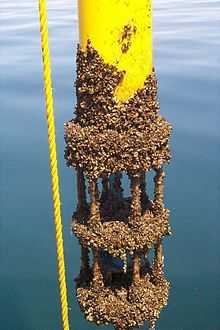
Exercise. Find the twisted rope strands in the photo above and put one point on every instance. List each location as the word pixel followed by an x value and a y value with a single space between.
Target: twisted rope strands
pixel 53 162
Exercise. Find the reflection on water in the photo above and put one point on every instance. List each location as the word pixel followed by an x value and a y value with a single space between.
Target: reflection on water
pixel 186 48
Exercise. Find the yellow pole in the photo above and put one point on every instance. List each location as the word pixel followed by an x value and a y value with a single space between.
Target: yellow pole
pixel 121 32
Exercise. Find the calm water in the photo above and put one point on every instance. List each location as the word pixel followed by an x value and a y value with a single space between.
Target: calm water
pixel 187 57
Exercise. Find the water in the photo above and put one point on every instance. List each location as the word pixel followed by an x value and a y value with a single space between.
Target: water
pixel 186 45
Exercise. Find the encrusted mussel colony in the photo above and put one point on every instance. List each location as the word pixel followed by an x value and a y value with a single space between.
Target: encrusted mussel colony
pixel 117 283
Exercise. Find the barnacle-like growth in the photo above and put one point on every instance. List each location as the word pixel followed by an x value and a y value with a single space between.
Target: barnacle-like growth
pixel 108 137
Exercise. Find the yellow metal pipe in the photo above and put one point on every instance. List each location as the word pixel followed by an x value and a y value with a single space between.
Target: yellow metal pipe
pixel 121 32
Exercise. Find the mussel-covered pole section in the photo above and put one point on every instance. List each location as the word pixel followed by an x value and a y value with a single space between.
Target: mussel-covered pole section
pixel 118 131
